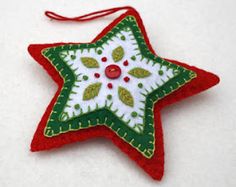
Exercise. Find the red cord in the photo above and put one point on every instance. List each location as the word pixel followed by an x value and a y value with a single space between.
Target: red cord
pixel 87 17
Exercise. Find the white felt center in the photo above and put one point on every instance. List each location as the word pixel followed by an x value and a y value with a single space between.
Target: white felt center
pixel 120 109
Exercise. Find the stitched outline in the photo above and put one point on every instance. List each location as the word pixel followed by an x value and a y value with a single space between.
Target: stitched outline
pixel 144 143
pixel 73 52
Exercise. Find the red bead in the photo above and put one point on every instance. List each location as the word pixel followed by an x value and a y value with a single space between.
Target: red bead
pixel 113 71
pixel 109 85
pixel 104 59
pixel 126 79
pixel 97 75
pixel 126 63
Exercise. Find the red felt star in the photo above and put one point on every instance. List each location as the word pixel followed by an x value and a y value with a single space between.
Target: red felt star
pixel 154 166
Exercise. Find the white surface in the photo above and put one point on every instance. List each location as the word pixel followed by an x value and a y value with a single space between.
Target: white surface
pixel 199 133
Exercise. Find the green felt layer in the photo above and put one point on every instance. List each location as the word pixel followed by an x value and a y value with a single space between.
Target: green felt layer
pixel 143 142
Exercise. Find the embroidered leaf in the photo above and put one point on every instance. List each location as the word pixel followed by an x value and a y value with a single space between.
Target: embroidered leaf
pixel 139 72
pixel 118 54
pixel 92 91
pixel 125 96
pixel 89 62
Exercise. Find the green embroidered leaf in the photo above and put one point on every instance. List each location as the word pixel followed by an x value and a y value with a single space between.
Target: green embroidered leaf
pixel 92 91
pixel 118 54
pixel 89 62
pixel 139 72
pixel 125 96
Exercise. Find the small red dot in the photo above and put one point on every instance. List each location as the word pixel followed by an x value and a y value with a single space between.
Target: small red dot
pixel 126 63
pixel 109 85
pixel 126 79
pixel 104 59
pixel 97 75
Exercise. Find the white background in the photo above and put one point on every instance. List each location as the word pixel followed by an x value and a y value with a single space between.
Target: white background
pixel 199 132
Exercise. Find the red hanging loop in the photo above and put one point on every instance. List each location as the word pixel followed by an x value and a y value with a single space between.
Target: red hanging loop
pixel 87 17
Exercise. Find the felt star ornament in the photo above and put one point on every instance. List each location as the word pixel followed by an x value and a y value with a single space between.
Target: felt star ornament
pixel 115 87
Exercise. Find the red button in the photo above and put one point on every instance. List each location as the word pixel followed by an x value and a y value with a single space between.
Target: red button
pixel 113 71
